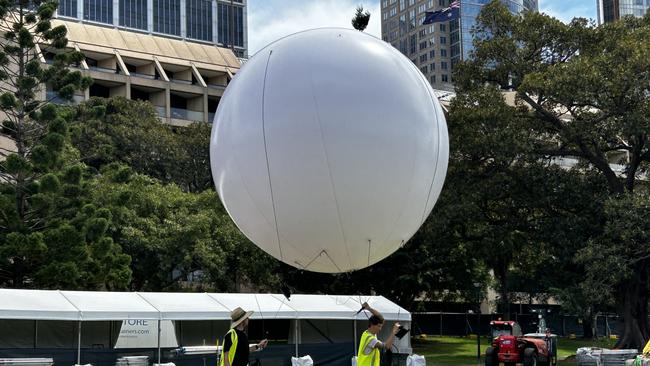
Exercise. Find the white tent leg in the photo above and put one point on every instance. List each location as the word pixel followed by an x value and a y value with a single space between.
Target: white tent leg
pixel 296 335
pixel 159 331
pixel 79 344
pixel 355 337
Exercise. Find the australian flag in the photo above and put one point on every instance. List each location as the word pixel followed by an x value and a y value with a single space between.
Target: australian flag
pixel 444 15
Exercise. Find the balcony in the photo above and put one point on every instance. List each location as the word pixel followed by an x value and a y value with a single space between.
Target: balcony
pixel 142 75
pixel 103 69
pixel 53 97
pixel 186 114
pixel 160 111
pixel 188 82
pixel 217 86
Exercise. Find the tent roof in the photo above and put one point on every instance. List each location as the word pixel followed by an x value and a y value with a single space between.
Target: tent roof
pixel 36 304
pixel 89 306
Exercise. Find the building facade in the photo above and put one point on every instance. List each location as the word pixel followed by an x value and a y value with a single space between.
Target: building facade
pixel 184 81
pixel 612 10
pixel 435 48
pixel 217 22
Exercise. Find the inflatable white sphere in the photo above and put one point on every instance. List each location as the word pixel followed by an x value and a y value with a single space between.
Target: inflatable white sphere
pixel 329 149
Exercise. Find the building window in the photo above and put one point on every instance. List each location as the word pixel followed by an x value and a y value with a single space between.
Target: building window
pixel 443 65
pixel 443 40
pixel 423 45
pixel 432 66
pixel 199 19
pixel 133 14
pixel 433 79
pixel 98 11
pixel 443 27
pixel 444 78
pixel 432 53
pixel 422 33
pixel 413 45
pixel 226 32
pixel 422 8
pixel 401 5
pixel 423 58
pixel 68 8
pixel 443 52
pixel 167 17
pixel 393 11
pixel 424 69
pixel 403 46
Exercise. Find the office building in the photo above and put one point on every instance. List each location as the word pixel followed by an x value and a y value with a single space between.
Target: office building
pixel 612 10
pixel 183 80
pixel 435 48
pixel 217 22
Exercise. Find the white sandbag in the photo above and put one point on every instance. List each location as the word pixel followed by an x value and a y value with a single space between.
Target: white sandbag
pixel 416 360
pixel 302 361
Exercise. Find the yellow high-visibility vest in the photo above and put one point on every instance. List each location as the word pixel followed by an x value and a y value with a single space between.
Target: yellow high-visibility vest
pixel 231 351
pixel 646 349
pixel 367 360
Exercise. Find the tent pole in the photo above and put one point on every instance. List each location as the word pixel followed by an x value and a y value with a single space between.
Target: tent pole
pixel 79 344
pixel 296 335
pixel 159 331
pixel 35 333
pixel 355 336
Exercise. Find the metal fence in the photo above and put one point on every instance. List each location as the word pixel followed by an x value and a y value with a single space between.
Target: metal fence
pixel 462 324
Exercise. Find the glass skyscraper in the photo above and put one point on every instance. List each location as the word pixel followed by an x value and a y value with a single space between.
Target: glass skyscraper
pixel 219 22
pixel 435 48
pixel 612 10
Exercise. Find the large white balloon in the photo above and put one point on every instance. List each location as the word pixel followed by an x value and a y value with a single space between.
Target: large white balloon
pixel 329 149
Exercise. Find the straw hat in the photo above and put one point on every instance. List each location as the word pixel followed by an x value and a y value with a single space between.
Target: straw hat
pixel 238 315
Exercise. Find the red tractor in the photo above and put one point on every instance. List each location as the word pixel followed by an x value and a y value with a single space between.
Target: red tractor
pixel 510 346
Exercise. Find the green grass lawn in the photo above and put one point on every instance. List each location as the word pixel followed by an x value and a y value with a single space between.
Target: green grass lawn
pixel 462 351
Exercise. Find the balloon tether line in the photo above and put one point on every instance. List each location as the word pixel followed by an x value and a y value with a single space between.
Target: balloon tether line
pixel 369 242
pixel 266 154
pixel 323 251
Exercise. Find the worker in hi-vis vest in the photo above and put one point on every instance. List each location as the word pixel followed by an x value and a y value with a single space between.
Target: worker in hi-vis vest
pixel 235 344
pixel 369 345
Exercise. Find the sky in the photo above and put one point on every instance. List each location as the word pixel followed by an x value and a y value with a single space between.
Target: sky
pixel 269 20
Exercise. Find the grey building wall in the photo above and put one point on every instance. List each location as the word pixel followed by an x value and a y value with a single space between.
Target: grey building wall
pixel 612 10
pixel 435 48
pixel 218 22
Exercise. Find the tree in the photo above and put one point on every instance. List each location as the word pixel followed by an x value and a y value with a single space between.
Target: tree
pixel 37 136
pixel 128 131
pixel 178 240
pixel 360 19
pixel 583 91
pixel 194 168
pixel 624 251
pixel 30 168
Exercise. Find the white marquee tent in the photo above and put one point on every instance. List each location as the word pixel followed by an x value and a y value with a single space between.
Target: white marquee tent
pixel 83 306
pixel 95 306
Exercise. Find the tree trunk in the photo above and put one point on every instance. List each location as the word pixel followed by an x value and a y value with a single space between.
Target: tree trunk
pixel 634 299
pixel 501 274
pixel 587 325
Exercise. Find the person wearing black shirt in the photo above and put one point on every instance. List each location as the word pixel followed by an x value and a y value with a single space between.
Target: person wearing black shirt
pixel 235 346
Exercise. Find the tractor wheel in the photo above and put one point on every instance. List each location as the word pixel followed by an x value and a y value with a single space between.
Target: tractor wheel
pixel 530 357
pixel 491 357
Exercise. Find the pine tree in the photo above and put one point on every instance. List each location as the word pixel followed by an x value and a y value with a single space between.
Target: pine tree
pixel 33 134
pixel 360 19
